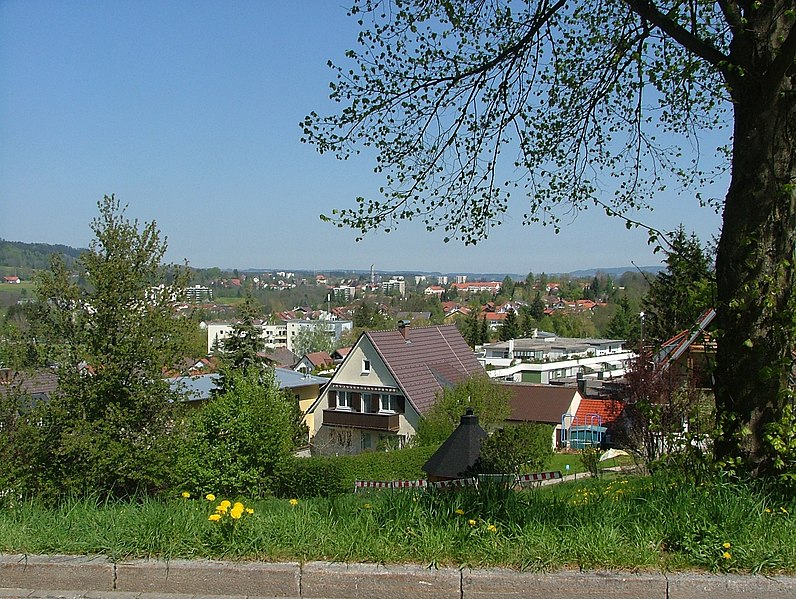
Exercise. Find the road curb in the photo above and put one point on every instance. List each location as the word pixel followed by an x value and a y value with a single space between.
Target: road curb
pixel 97 576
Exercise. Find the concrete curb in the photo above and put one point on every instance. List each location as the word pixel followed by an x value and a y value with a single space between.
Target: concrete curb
pixel 96 576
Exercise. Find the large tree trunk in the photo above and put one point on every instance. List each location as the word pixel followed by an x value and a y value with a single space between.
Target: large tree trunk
pixel 754 270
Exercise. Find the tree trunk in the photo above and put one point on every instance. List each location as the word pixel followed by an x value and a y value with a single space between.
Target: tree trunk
pixel 754 271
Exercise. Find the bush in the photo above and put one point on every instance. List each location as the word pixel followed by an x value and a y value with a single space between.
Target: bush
pixel 319 476
pixel 235 443
pixel 516 448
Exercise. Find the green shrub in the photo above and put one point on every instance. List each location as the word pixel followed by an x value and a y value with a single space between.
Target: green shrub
pixel 235 443
pixel 515 448
pixel 301 478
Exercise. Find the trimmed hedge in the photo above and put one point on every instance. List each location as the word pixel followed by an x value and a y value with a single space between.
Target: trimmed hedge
pixel 321 476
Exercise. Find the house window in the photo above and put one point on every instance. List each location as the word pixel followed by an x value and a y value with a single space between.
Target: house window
pixel 344 400
pixel 367 441
pixel 389 403
pixel 365 366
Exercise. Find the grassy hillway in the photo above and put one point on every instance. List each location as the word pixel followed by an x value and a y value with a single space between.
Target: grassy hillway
pixel 656 523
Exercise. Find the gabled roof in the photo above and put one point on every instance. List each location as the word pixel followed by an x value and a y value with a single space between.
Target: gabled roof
pixel 675 347
pixel 427 361
pixel 539 403
pixel 319 358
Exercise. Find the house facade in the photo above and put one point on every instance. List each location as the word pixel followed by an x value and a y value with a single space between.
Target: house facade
pixel 387 381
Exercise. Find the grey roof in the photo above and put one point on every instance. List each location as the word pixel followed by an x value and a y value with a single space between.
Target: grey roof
pixel 459 453
pixel 200 387
pixel 427 361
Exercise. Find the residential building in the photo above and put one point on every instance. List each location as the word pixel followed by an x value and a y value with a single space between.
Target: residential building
pixel 198 294
pixel 386 382
pixel 314 361
pixel 304 387
pixel 334 328
pixel 394 286
pixel 546 358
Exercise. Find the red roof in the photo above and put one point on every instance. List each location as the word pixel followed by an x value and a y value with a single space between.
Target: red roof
pixel 592 410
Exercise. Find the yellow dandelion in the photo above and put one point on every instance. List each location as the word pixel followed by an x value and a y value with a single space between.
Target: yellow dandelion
pixel 294 502
pixel 210 497
pixel 492 528
pixel 249 510
pixel 726 555
pixel 185 494
pixel 214 517
pixel 471 522
pixel 726 545
pixel 768 510
pixel 460 511
pixel 225 504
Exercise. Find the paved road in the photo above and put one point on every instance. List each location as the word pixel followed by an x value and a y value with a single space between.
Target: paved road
pixel 99 578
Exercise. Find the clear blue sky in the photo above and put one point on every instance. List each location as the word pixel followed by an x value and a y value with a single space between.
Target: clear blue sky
pixel 188 111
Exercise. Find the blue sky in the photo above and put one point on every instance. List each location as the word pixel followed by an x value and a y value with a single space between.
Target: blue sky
pixel 189 112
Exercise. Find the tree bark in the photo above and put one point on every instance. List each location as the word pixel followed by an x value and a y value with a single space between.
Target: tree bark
pixel 754 271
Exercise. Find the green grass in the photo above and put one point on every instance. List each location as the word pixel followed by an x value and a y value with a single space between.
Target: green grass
pixel 646 523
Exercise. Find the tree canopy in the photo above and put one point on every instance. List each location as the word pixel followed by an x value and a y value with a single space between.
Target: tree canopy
pixel 578 104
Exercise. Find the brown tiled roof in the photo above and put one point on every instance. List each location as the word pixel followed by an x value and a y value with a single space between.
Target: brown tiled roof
pixel 539 403
pixel 39 384
pixel 429 359
pixel 319 358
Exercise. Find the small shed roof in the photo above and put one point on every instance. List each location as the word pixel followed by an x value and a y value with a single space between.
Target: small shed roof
pixel 460 452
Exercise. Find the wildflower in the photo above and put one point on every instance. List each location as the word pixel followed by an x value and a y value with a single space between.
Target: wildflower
pixel 210 497
pixel 492 528
pixel 726 555
pixel 214 517
pixel 471 522
pixel 460 511
pixel 249 510
pixel 726 545
pixel 294 502
pixel 185 494
pixel 768 510
pixel 223 507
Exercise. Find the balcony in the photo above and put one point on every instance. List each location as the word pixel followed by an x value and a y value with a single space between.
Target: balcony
pixel 378 422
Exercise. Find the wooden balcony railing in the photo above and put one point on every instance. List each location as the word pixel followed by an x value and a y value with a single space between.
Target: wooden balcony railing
pixel 379 422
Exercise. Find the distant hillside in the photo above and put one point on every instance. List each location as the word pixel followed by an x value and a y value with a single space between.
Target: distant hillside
pixel 27 257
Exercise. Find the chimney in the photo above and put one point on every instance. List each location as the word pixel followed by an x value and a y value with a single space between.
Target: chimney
pixel 403 326
pixel 581 384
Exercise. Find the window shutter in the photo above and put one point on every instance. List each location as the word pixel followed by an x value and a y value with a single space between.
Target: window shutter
pixel 401 404
pixel 332 399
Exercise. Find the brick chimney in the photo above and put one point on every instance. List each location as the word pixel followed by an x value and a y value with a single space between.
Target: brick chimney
pixel 403 328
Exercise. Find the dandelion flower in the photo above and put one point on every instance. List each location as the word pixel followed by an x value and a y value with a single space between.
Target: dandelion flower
pixel 460 511
pixel 294 502
pixel 214 517
pixel 249 510
pixel 727 545
pixel 471 522
pixel 210 497
pixel 726 555
pixel 185 494
pixel 492 528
